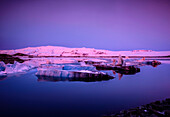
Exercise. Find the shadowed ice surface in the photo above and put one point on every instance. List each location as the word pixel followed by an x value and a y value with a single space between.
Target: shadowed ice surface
pixel 23 95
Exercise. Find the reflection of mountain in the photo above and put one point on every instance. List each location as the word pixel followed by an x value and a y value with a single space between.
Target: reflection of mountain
pixel 91 79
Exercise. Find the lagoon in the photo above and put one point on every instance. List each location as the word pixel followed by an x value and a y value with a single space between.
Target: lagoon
pixel 26 95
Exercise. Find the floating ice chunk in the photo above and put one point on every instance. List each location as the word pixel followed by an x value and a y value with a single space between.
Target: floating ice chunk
pixel 120 61
pixel 92 72
pixel 17 67
pixel 78 67
pixel 2 66
pixel 54 73
pixel 70 74
pixel 32 64
pixel 82 63
pixel 52 66
pixel 2 74
pixel 108 72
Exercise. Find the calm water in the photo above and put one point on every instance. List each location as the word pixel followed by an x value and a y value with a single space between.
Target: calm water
pixel 23 95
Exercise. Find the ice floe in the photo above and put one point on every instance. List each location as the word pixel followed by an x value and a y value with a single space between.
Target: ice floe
pixel 15 68
pixel 71 73
pixel 2 66
pixel 79 67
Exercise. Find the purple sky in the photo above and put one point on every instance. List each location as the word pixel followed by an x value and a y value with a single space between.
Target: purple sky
pixel 103 24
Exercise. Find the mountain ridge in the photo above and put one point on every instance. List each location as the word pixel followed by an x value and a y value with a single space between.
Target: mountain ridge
pixel 65 51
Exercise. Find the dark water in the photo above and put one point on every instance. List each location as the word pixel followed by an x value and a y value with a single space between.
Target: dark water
pixel 23 95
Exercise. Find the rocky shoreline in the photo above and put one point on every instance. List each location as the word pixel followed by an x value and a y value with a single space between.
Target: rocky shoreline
pixel 6 58
pixel 154 109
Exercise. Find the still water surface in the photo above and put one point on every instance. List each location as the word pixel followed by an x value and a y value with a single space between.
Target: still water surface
pixel 24 96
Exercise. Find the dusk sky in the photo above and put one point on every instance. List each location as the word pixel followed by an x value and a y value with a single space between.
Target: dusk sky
pixel 101 24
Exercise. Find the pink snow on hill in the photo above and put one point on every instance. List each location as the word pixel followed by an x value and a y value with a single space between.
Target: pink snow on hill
pixel 142 51
pixel 64 51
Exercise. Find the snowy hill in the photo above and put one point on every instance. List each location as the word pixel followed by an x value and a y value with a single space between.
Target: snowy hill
pixel 64 51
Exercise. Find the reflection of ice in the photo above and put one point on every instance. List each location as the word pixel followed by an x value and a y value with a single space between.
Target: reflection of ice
pixel 3 77
pixel 2 74
pixel 120 61
pixel 54 79
pixel 120 76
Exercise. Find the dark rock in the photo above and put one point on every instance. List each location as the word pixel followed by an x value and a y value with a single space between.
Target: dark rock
pixel 155 109
pixel 6 58
pixel 167 112
pixel 127 70
pixel 168 101
pixel 20 54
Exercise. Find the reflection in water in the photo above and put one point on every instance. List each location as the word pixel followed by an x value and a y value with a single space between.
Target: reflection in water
pixel 2 78
pixel 91 79
pixel 24 94
pixel 153 63
pixel 129 70
pixel 122 72
pixel 19 74
pixel 120 76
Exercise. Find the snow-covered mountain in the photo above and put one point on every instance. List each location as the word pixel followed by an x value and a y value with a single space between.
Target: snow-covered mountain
pixel 64 51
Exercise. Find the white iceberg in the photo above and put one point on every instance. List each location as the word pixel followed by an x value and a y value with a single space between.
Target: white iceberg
pixel 79 67
pixel 54 73
pixel 71 72
pixel 17 67
pixel 2 66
